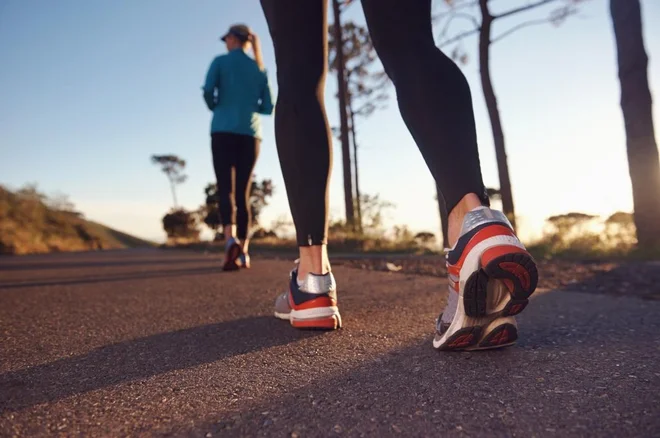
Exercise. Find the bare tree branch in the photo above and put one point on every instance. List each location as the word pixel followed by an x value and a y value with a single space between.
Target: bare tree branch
pixel 554 18
pixel 523 8
pixel 551 19
pixel 459 37
pixel 343 5
pixel 454 8
pixel 463 15
pixel 520 26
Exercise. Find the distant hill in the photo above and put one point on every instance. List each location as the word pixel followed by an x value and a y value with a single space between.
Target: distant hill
pixel 31 222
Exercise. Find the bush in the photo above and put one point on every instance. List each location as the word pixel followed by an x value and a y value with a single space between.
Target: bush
pixel 261 233
pixel 584 235
pixel 181 225
pixel 425 238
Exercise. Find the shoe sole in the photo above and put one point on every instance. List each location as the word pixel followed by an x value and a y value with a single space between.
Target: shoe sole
pixel 330 323
pixel 492 295
pixel 310 321
pixel 517 277
pixel 499 333
pixel 233 254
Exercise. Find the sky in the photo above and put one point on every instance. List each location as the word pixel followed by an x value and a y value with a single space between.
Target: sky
pixel 89 90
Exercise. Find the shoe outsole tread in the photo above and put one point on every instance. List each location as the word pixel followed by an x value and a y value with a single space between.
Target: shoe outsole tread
pixel 517 271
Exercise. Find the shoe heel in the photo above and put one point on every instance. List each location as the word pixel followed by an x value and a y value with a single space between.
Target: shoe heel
pixel 233 253
pixel 514 307
pixel 327 323
pixel 463 339
pixel 499 333
pixel 517 271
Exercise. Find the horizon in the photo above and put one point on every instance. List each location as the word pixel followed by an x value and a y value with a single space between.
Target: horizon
pixel 110 100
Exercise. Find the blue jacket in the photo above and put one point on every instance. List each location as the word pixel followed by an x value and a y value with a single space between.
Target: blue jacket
pixel 237 91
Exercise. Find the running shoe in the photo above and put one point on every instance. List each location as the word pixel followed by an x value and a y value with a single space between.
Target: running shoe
pixel 491 276
pixel 232 253
pixel 310 304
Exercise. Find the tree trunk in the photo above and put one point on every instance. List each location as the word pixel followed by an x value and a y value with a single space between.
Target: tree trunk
pixel 358 203
pixel 173 188
pixel 343 118
pixel 444 219
pixel 636 105
pixel 493 111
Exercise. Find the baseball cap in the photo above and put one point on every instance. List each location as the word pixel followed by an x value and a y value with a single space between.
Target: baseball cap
pixel 240 31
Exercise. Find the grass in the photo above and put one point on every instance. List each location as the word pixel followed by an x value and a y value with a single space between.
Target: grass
pixel 541 251
pixel 118 237
pixel 580 236
pixel 591 247
pixel 361 244
pixel 570 249
pixel 28 225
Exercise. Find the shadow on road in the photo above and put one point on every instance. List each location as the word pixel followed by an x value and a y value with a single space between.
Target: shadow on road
pixel 141 358
pixel 564 358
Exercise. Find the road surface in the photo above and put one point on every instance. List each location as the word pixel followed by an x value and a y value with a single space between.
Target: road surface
pixel 161 343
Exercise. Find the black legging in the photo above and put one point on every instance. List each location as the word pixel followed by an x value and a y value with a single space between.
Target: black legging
pixel 234 156
pixel 433 96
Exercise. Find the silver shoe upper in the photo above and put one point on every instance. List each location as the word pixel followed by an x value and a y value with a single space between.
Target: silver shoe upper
pixel 482 216
pixel 316 284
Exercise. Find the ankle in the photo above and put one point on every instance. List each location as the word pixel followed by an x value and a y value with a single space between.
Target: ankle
pixel 229 231
pixel 457 214
pixel 314 260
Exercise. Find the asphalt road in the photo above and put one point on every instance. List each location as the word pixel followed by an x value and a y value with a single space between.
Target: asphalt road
pixel 161 343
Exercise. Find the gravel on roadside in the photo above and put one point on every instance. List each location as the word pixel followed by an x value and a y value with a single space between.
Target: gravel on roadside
pixel 635 278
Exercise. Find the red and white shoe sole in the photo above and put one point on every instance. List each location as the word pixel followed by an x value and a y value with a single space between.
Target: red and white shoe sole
pixel 499 289
pixel 499 333
pixel 502 286
pixel 322 318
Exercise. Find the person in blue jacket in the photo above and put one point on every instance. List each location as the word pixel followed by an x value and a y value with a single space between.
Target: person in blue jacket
pixel 237 91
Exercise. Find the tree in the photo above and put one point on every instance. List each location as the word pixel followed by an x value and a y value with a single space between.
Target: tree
pixel 620 229
pixel 173 167
pixel 180 223
pixel 282 226
pixel 259 194
pixel 483 28
pixel 60 202
pixel 337 6
pixel 374 212
pixel 210 210
pixel 636 105
pixel 364 91
pixel 425 238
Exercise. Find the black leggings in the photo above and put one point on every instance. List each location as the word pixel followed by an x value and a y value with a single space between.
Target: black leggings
pixel 433 96
pixel 234 157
